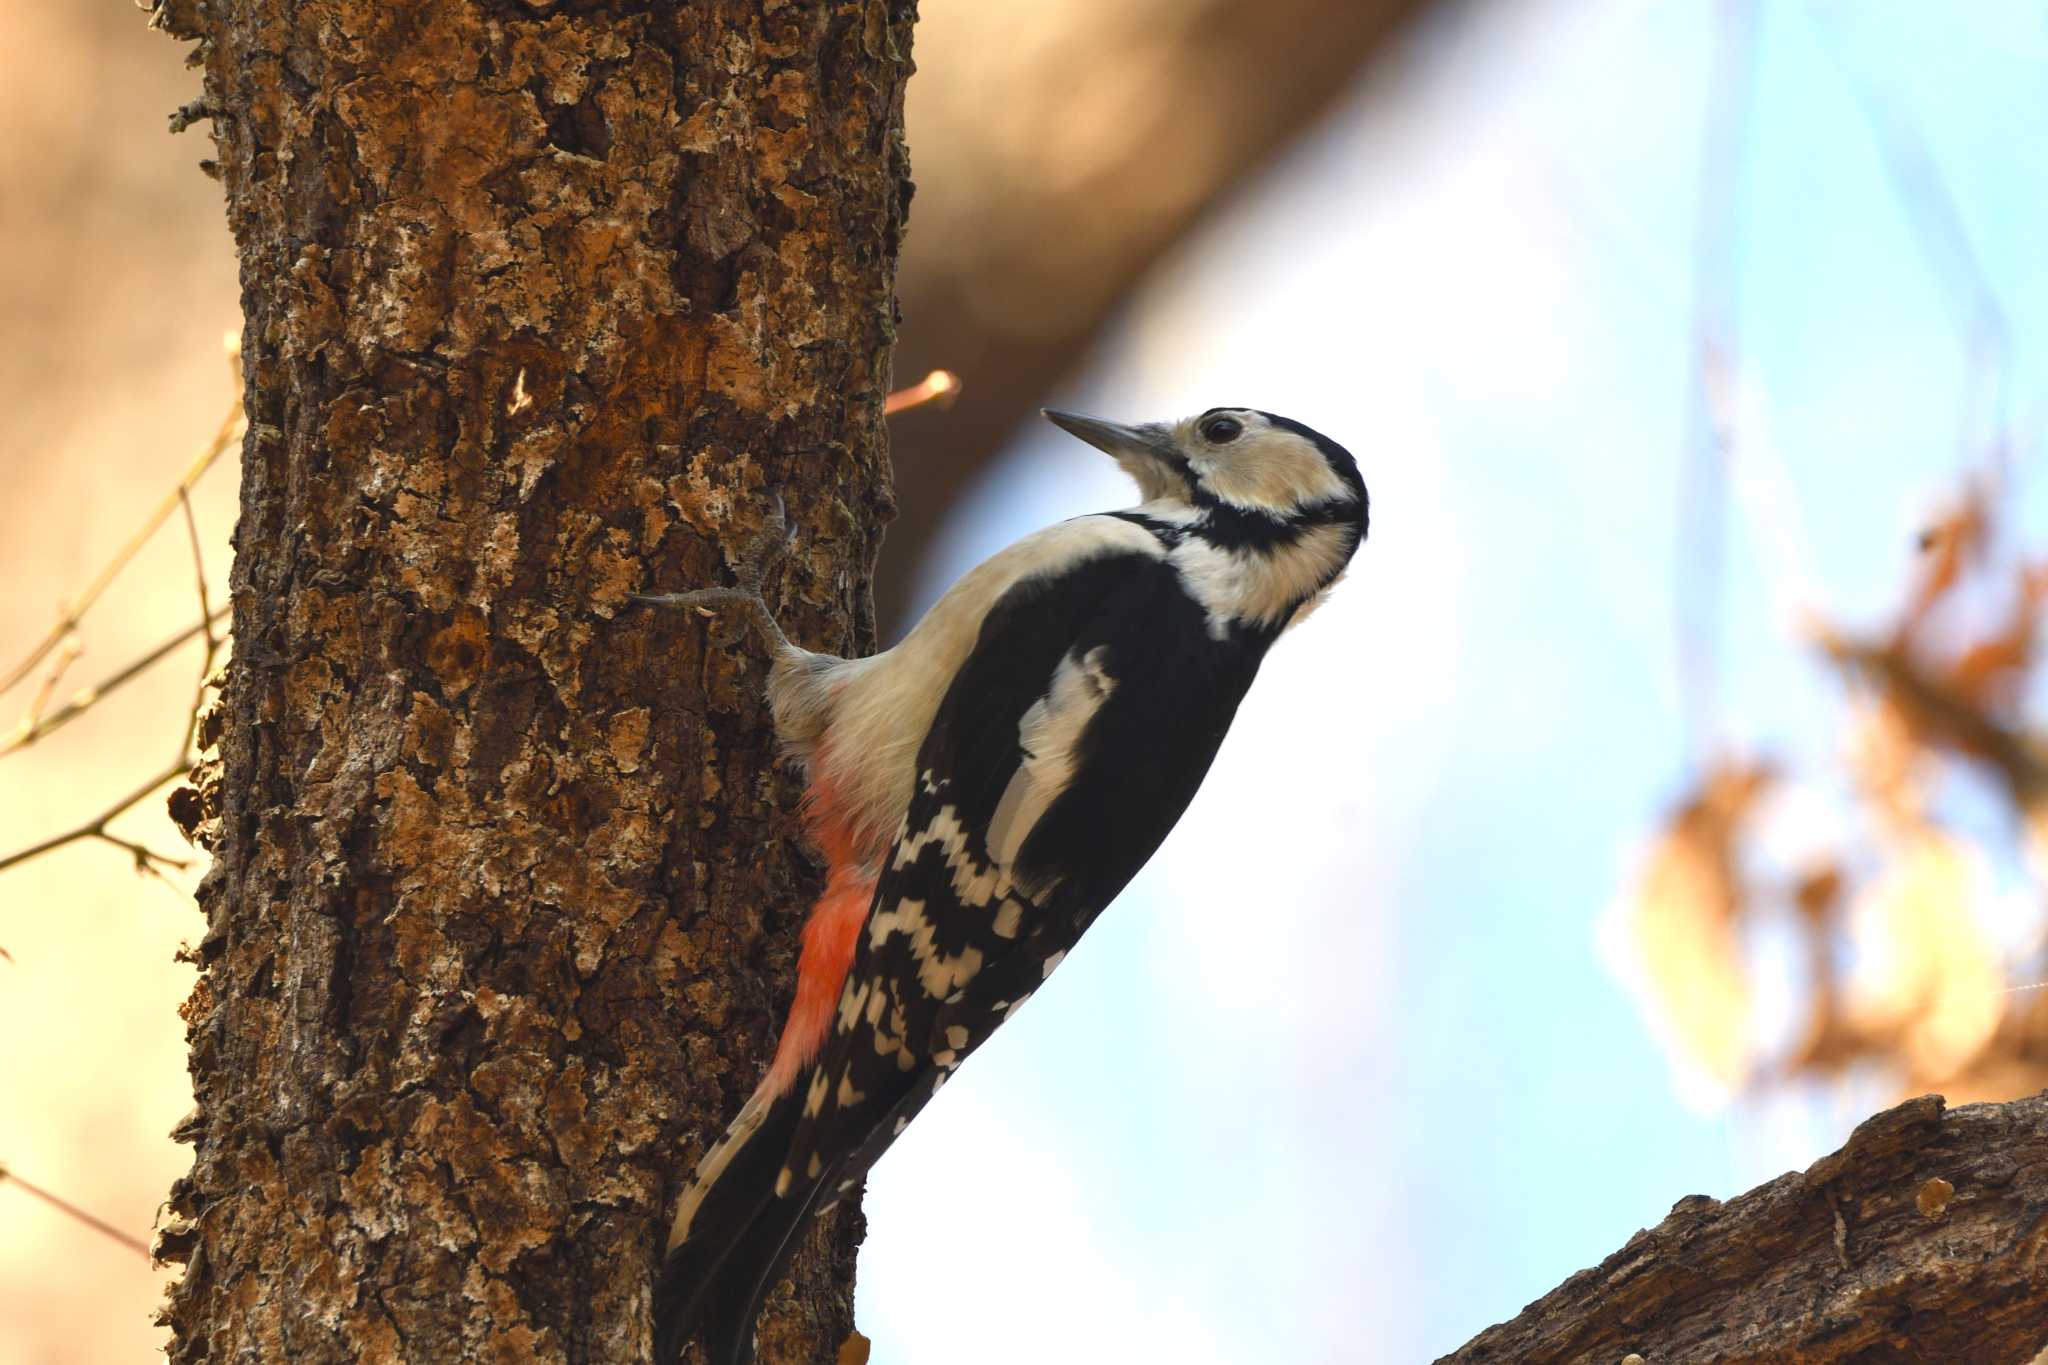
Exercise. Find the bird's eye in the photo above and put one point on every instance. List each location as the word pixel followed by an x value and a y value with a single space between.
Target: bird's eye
pixel 1222 430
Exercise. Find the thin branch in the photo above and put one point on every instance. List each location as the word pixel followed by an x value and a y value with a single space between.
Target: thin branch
pixel 72 1211
pixel 1937 221
pixel 1710 428
pixel 32 730
pixel 68 621
pixel 97 827
pixel 940 387
pixel 148 861
pixel 198 563
pixel 66 657
pixel 206 619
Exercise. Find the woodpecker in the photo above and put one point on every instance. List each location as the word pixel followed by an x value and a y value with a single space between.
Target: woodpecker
pixel 982 790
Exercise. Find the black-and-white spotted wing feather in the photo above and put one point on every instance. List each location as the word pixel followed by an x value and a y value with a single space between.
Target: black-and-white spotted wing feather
pixel 1064 751
pixel 1061 754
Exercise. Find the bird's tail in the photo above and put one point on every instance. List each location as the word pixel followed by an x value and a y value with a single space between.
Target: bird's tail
pixel 732 1235
pixel 734 1228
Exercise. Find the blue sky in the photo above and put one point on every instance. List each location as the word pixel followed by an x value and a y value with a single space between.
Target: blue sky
pixel 1343 1076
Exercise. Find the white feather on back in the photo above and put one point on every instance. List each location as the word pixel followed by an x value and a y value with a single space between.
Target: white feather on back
pixel 862 720
pixel 1050 735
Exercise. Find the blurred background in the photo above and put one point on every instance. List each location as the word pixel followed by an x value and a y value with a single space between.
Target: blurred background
pixel 1661 795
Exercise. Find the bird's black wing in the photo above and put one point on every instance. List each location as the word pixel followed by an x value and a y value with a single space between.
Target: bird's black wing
pixel 1061 755
pixel 1064 751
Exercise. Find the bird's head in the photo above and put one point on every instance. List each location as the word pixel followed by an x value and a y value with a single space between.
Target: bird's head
pixel 1240 465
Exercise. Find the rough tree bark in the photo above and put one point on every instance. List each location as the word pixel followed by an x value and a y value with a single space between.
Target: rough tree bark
pixel 1923 1240
pixel 543 305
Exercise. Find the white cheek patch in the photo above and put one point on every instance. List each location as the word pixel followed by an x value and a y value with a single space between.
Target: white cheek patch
pixel 1264 587
pixel 1272 470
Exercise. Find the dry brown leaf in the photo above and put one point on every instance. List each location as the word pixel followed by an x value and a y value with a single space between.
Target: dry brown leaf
pixel 1950 543
pixel 1683 920
pixel 1933 978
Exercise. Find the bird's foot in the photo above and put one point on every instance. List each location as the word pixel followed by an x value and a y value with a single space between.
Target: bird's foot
pixel 748 570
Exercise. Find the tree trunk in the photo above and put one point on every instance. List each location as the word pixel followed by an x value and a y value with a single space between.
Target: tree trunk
pixel 542 307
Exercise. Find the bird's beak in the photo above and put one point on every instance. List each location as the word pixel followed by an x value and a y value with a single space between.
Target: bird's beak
pixel 1128 444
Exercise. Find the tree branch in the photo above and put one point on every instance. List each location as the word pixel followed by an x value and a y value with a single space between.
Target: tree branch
pixel 230 429
pixel 36 725
pixel 1925 1238
pixel 146 859
pixel 77 1214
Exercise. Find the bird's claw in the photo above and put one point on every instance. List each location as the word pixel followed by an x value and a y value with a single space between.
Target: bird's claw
pixel 748 570
pixel 769 544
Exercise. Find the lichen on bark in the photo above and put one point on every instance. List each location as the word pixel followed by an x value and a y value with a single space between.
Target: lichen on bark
pixel 543 304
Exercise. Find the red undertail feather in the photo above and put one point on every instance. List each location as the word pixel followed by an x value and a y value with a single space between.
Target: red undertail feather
pixel 830 936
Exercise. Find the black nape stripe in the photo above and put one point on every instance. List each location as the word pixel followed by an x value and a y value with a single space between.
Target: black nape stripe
pixel 1230 527
pixel 1166 532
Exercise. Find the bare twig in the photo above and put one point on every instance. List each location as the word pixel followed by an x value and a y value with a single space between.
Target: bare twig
pixel 198 563
pixel 148 861
pixel 36 724
pixel 96 828
pixel 33 729
pixel 940 387
pixel 66 656
pixel 1703 483
pixel 230 428
pixel 77 1214
pixel 213 642
pixel 1931 209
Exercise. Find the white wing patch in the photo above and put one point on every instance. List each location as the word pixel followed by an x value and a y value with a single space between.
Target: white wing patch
pixel 1050 736
pixel 881 707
